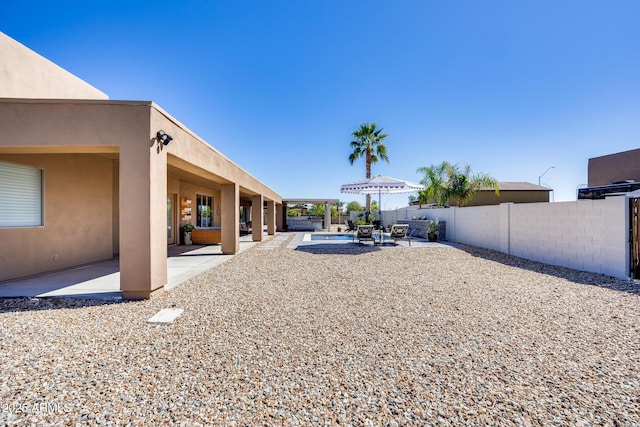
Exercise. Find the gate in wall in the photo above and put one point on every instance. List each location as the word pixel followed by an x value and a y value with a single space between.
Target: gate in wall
pixel 635 237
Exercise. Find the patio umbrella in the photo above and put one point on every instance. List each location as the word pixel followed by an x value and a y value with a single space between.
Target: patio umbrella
pixel 381 185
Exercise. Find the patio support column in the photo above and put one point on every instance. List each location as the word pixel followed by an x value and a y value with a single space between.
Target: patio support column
pixel 327 216
pixel 271 217
pixel 229 218
pixel 279 217
pixel 257 218
pixel 246 215
pixel 143 218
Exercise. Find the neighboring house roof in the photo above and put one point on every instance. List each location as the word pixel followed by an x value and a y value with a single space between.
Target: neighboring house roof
pixel 518 186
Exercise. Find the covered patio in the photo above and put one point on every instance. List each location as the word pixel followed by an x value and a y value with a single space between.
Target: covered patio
pixel 112 184
pixel 307 224
pixel 101 280
pixel 84 179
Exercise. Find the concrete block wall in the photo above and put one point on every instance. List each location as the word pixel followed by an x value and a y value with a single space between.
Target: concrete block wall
pixel 420 228
pixel 587 235
pixel 545 232
pixel 613 240
pixel 478 226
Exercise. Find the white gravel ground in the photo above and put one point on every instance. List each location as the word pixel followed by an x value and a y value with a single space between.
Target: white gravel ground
pixel 326 336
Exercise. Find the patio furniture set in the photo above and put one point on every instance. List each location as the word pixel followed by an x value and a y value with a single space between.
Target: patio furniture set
pixel 378 236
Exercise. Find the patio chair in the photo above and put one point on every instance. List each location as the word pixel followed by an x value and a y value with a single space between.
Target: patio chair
pixel 244 229
pixel 364 233
pixel 349 225
pixel 397 232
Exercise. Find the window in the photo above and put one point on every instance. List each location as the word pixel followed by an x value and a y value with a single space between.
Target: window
pixel 20 196
pixel 204 204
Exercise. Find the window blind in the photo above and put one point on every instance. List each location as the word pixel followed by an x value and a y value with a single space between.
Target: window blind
pixel 20 196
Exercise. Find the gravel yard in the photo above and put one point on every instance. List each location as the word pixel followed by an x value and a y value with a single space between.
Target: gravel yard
pixel 326 336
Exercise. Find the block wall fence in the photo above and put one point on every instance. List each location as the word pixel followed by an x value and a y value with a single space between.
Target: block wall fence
pixel 587 235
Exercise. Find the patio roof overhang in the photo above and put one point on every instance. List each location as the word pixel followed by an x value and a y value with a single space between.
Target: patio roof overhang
pixel 126 132
pixel 311 201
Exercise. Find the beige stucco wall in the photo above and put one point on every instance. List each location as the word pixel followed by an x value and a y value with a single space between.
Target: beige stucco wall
pixel 77 216
pixel 106 176
pixel 190 191
pixel 72 126
pixel 194 155
pixel 26 74
pixel 179 189
pixel 136 180
pixel 115 208
pixel 173 184
pixel 484 198
pixel 109 130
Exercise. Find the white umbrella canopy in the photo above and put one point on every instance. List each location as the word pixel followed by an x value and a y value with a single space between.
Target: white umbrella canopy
pixel 381 185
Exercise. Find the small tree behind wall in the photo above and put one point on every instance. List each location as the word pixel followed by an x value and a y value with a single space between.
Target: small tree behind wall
pixel 354 206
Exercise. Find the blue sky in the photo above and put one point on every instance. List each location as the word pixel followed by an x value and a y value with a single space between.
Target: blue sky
pixel 510 87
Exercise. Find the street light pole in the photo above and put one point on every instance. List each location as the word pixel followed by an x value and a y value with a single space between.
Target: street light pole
pixel 553 193
pixel 540 177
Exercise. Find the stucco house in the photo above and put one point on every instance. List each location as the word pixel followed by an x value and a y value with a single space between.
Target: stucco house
pixel 510 192
pixel 83 178
pixel 616 173
pixel 612 168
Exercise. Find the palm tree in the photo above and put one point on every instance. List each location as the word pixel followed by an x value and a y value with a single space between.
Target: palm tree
pixel 367 143
pixel 461 185
pixel 434 182
pixel 445 181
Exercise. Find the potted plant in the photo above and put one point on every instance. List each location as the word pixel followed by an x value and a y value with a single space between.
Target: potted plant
pixel 187 229
pixel 433 228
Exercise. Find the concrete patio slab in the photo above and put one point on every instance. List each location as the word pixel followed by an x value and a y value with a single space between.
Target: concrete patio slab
pixel 101 280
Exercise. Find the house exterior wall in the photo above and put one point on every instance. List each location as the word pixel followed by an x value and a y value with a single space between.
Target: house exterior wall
pixel 52 126
pixel 191 154
pixel 607 169
pixel 483 198
pixel 49 117
pixel 77 216
pixel 189 190
pixel 136 181
pixel 25 74
pixel 115 208
pixel 105 130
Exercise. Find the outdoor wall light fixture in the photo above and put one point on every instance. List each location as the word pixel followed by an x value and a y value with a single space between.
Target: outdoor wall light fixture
pixel 163 137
